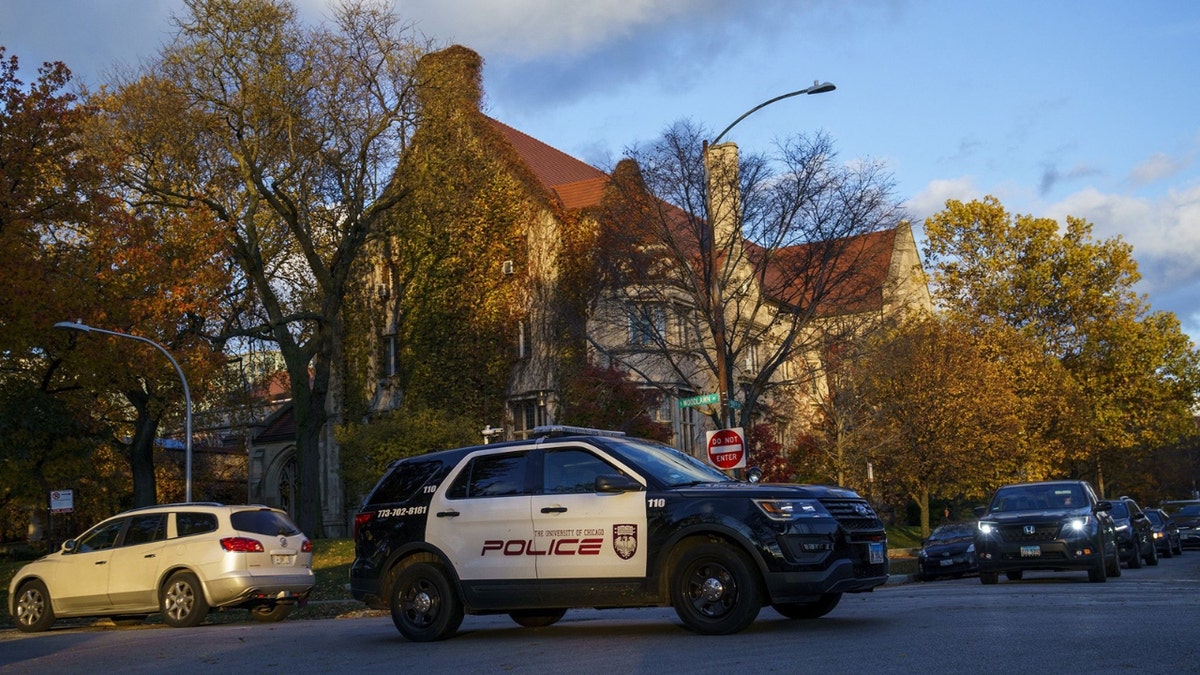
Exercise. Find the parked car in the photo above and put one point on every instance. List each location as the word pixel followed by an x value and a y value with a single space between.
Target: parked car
pixel 1165 533
pixel 1186 514
pixel 948 551
pixel 616 522
pixel 177 559
pixel 1135 536
pixel 1052 525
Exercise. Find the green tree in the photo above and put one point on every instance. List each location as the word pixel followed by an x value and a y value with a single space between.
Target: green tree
pixel 288 136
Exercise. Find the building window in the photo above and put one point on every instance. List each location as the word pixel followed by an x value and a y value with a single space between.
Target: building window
pixel 647 324
pixel 388 356
pixel 751 361
pixel 687 431
pixel 528 414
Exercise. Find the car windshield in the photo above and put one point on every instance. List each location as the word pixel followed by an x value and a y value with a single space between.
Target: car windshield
pixel 1154 517
pixel 1037 498
pixel 955 531
pixel 670 466
pixel 1119 510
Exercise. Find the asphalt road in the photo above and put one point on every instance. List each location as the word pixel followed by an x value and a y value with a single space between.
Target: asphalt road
pixel 1146 621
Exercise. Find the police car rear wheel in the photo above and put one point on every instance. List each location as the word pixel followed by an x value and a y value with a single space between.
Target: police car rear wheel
pixel 714 590
pixel 809 610
pixel 537 618
pixel 424 605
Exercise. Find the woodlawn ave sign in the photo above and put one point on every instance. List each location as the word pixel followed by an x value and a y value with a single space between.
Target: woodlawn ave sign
pixel 702 399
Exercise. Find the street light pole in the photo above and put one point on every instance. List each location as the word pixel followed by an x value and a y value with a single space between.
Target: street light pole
pixel 715 292
pixel 187 394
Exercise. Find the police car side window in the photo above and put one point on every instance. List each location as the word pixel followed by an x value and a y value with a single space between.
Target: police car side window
pixel 570 471
pixel 490 476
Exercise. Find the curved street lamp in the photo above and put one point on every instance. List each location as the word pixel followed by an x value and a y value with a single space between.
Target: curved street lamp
pixel 187 395
pixel 723 384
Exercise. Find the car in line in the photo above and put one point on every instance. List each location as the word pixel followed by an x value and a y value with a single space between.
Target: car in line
pixel 1186 514
pixel 586 518
pixel 1135 536
pixel 1048 525
pixel 179 560
pixel 1165 532
pixel 948 551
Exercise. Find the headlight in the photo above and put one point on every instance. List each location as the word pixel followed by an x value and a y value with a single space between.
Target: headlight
pixel 1077 524
pixel 787 509
pixel 987 528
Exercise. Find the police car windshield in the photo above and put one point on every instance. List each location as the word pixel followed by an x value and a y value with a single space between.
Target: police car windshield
pixel 670 466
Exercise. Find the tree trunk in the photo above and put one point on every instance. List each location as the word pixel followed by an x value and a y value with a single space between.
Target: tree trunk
pixel 140 452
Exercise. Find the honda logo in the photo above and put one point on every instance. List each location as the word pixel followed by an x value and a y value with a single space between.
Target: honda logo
pixel 1030 529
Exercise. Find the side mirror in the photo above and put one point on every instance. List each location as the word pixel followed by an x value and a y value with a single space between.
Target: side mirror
pixel 69 546
pixel 754 474
pixel 615 484
pixel 1104 505
pixel 979 511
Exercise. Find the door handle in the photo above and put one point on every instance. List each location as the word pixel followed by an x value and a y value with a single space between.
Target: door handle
pixel 150 555
pixel 554 509
pixel 447 514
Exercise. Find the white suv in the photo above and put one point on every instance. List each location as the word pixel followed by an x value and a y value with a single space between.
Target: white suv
pixel 177 559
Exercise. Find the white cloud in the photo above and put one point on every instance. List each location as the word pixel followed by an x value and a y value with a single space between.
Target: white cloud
pixel 1157 167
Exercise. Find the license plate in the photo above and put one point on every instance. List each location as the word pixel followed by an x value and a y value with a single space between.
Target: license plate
pixel 947 562
pixel 283 560
pixel 877 556
pixel 1031 551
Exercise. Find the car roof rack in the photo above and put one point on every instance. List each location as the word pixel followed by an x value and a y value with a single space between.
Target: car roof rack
pixel 556 430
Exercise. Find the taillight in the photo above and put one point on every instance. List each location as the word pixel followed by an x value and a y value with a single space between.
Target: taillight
pixel 242 545
pixel 306 547
pixel 361 519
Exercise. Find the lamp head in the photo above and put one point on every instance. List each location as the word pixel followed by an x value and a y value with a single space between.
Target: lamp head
pixel 821 87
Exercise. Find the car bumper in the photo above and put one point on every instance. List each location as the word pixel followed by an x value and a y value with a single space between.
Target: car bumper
pixel 237 589
pixel 1190 538
pixel 935 567
pixel 1049 555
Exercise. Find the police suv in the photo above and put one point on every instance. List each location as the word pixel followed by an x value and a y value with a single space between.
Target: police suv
pixel 584 518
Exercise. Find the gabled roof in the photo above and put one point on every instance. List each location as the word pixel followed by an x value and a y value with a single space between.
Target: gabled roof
pixel 858 272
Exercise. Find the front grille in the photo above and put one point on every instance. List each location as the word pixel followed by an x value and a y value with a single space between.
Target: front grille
pixel 854 515
pixel 1036 532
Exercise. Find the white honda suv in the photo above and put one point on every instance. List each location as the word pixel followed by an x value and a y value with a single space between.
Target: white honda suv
pixel 177 559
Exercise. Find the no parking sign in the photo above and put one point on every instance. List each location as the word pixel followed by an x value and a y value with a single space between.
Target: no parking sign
pixel 727 449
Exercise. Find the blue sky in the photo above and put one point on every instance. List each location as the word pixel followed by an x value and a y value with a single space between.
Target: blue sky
pixel 1090 109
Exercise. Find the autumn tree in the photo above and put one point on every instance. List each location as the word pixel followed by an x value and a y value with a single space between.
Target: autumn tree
pixel 1136 372
pixel 287 136
pixel 954 411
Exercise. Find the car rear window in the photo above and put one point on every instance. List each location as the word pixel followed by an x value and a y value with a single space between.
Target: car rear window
pixel 263 522
pixel 403 482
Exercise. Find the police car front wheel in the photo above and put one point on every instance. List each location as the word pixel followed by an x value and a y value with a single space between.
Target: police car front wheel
pixel 714 589
pixel 425 607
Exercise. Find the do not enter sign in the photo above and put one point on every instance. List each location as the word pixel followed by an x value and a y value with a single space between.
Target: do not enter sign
pixel 726 449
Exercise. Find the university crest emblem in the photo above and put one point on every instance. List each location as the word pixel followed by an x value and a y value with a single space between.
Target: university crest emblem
pixel 625 541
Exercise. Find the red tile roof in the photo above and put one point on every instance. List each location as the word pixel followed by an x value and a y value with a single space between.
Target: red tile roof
pixel 577 184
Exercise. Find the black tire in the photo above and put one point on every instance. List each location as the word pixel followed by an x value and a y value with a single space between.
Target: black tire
pixel 1169 553
pixel 425 607
pixel 34 612
pixel 182 601
pixel 269 613
pixel 1135 560
pixel 809 610
pixel 1179 548
pixel 715 590
pixel 129 619
pixel 1098 574
pixel 1152 558
pixel 537 618
pixel 1114 563
pixel 1015 575
pixel 989 578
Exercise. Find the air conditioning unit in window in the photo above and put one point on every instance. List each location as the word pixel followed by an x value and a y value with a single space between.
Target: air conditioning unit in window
pixel 507 267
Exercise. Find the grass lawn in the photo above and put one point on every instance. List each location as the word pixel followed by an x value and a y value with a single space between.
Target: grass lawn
pixel 331 566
